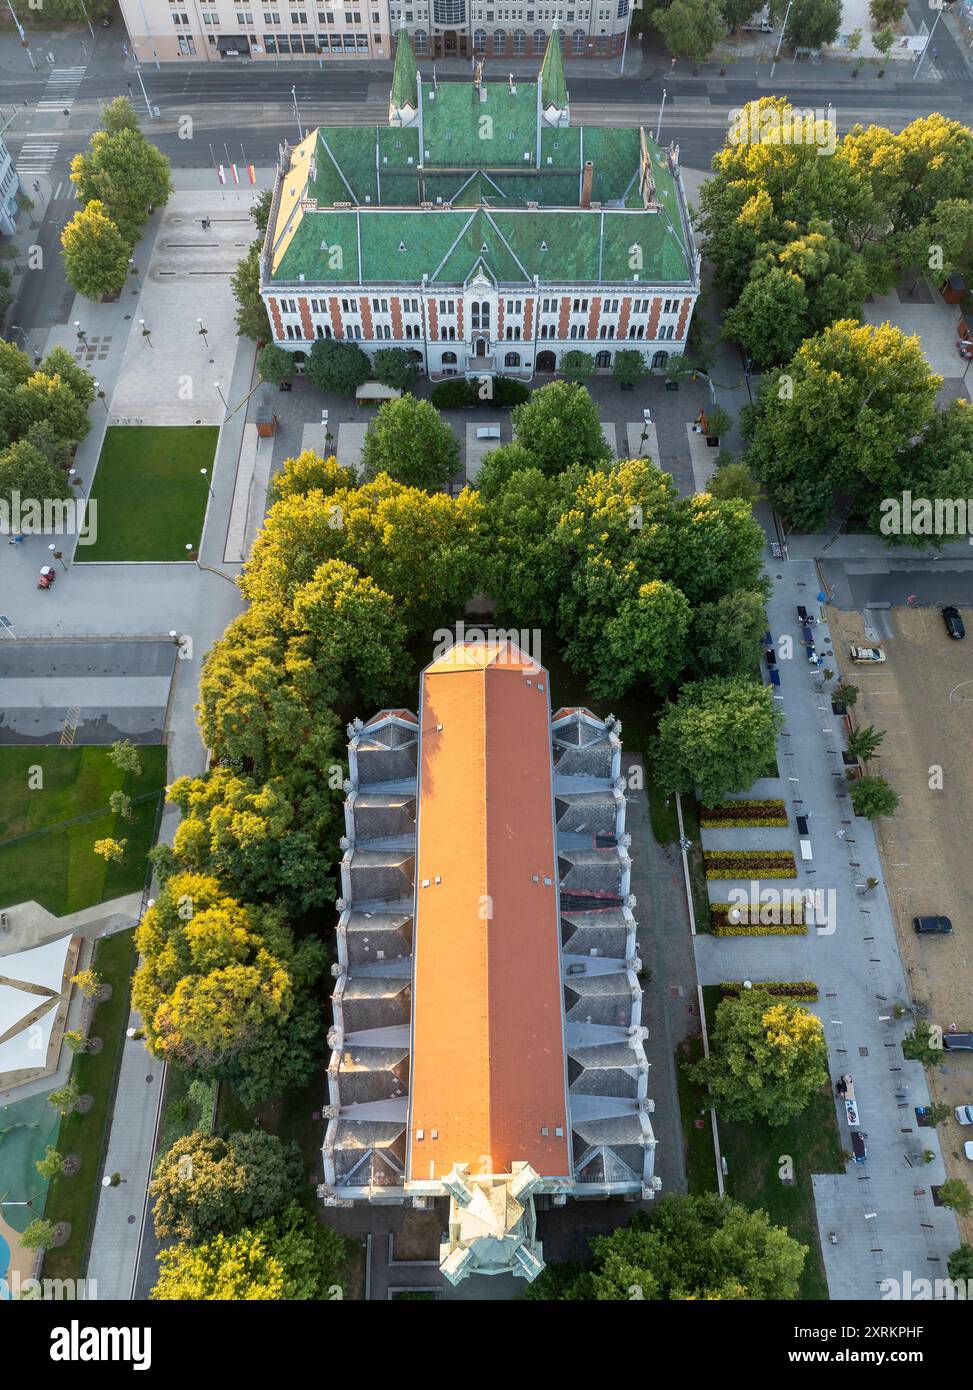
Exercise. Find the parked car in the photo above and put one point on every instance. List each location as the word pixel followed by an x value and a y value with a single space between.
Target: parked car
pixel 867 654
pixel 932 926
pixel 958 1042
pixel 964 1114
pixel 954 623
pixel 968 1148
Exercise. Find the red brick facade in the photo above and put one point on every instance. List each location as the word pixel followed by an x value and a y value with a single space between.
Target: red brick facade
pixel 396 308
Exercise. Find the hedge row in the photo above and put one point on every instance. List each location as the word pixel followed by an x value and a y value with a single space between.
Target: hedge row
pixel 720 915
pixel 743 814
pixel 743 822
pixel 769 871
pixel 804 991
pixel 751 863
pixel 457 393
pixel 796 929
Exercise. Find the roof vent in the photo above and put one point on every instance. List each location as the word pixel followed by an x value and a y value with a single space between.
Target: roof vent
pixel 559 1131
pixel 409 159
pixel 425 883
pixel 544 1131
pixel 543 246
pixel 401 245
pixel 550 159
pixel 300 275
pixel 385 159
pixel 527 154
pixel 484 249
pixel 431 96
pixel 368 197
pixel 420 1134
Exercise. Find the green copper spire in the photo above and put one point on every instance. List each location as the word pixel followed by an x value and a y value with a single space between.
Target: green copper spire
pixel 554 87
pixel 405 85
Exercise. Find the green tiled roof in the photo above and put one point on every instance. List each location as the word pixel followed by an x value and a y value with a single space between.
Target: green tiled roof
pixel 405 85
pixel 461 130
pixel 554 88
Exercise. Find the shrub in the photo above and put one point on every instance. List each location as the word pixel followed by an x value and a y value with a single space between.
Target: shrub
pixel 754 863
pixel 805 991
pixel 507 391
pixel 733 814
pixel 454 394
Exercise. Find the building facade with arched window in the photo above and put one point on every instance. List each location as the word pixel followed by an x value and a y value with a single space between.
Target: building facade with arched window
pixel 459 256
pixel 521 28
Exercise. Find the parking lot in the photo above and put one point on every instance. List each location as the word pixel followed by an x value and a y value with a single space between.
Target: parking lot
pixel 923 698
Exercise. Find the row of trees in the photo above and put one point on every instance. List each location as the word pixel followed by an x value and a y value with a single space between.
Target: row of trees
pixel 43 415
pixel 693 28
pixel 120 180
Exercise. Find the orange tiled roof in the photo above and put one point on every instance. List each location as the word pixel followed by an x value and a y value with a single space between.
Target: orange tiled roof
pixel 488 1066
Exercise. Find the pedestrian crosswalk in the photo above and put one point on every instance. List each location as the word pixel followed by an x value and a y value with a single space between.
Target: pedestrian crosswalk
pixel 60 89
pixel 36 156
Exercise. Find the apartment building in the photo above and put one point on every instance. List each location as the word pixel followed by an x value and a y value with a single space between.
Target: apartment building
pixel 485 29
pixel 482 231
pixel 9 188
pixel 239 30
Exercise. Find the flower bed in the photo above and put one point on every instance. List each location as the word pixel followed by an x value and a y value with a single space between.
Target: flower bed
pixel 743 814
pixel 750 863
pixel 802 991
pixel 793 923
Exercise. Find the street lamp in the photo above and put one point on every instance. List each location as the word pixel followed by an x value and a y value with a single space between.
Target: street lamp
pixel 17 329
pixel 101 396
pixel 191 553
pixel 81 335
pixel 925 48
pixel 146 332
pixel 134 270
pixel 221 395
pixel 206 476
pixel 202 332
pixel 56 555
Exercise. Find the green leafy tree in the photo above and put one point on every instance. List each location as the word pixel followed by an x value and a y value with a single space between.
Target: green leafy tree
pixel 52 1165
pixel 922 1045
pixel 710 547
pixel 111 850
pixel 736 12
pixel 690 28
pixel 118 114
pixel 126 173
pixel 260 211
pixel 289 1257
pixel 734 480
pixel 204 1185
pixel 865 742
pixel 726 633
pixel 251 312
pixel 65 1099
pixel 629 367
pixel 337 366
pixel 812 23
pixel 15 365
pixel 395 367
pixel 121 804
pixel 52 401
pixel 720 734
pixel 499 465
pixel 768 1058
pixel 411 442
pixel 960 1264
pixel 626 632
pixel 560 426
pixel 525 563
pixel 59 362
pixel 275 364
pixel 685 1247
pixel 95 253
pixel 883 41
pixel 576 365
pixel 873 797
pixel 89 982
pixel 846 693
pixel 25 470
pixel 125 756
pixel 885 12
pixel 953 1194
pixel 937 465
pixel 39 1235
pixel 309 473
pixel 836 419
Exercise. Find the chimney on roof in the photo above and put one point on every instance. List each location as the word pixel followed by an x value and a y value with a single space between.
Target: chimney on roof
pixel 586 180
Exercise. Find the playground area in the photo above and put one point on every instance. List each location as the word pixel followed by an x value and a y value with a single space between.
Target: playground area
pixel 26 1128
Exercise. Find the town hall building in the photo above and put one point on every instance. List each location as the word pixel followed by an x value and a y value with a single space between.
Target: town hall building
pixel 481 230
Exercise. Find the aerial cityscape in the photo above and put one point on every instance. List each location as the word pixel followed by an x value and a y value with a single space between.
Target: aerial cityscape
pixel 486 500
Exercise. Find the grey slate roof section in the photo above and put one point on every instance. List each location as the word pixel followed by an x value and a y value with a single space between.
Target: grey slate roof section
pixel 378 763
pixel 592 761
pixel 374 1002
pixel 591 871
pixel 599 933
pixel 372 937
pixel 585 812
pixel 381 875
pixel 605 999
pixel 372 1073
pixel 384 815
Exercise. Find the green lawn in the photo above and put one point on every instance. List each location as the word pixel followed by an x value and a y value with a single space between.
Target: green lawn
pixel 58 867
pixel 72 1199
pixel 753 1152
pixel 694 1105
pixel 151 497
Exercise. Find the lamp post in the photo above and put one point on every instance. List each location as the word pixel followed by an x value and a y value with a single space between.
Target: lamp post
pixel 17 329
pixel 206 476
pixel 20 31
pixel 925 49
pixel 221 395
pixel 202 333
pixel 84 11
pixel 146 332
pixel 56 555
pixel 134 270
pixel 81 335
pixel 780 41
pixel 101 396
pixel 191 553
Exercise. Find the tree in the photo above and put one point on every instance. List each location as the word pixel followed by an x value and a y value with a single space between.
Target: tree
pixel 499 465
pixel 51 400
pixel 260 211
pixel 251 313
pixel 52 1165
pixel 725 634
pixel 118 114
pixel 120 804
pixel 812 23
pixel 65 1099
pixel 938 465
pixel 560 426
pixel 395 367
pixel 734 480
pixel 205 1185
pixel 626 632
pixel 922 1045
pixel 720 734
pixel 576 365
pixel 111 850
pixel 125 756
pixel 883 41
pixel 126 173
pixel 275 364
pixel 873 797
pixel 25 470
pixel 953 1194
pixel 95 253
pixel 701 1248
pixel 89 982
pixel 526 564
pixel 718 422
pixel 848 403
pixel 960 1264
pixel 629 367
pixel 846 693
pixel 39 1235
pixel 885 12
pixel 768 1058
pixel 865 742
pixel 736 12
pixel 411 442
pixel 289 1257
pixel 691 28
pixel 80 383
pixel 337 366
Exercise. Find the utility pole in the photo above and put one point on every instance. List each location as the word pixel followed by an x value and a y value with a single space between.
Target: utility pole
pixel 20 31
pixel 297 114
pixel 662 107
pixel 780 41
pixel 925 50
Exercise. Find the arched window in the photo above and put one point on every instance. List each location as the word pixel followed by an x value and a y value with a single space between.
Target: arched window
pixel 603 359
pixel 320 331
pixel 420 40
pixel 479 40
pixel 577 41
pixel 540 41
pixel 520 41
pixel 561 38
pixel 449 358
pixel 290 330
pixel 500 42
pixel 512 359
pixel 660 359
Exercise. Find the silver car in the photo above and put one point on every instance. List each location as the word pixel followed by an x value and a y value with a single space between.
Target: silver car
pixel 964 1114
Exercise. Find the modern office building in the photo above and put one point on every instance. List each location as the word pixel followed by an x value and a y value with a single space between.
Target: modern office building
pixel 487 1046
pixel 481 230
pixel 9 188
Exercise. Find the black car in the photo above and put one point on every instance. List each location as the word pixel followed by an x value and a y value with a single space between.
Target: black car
pixel 958 1042
pixel 954 623
pixel 932 926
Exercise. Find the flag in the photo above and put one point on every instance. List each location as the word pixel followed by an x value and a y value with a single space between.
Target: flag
pixel 252 172
pixel 221 173
pixel 236 176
